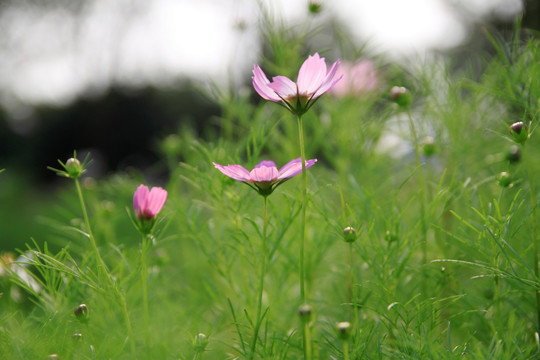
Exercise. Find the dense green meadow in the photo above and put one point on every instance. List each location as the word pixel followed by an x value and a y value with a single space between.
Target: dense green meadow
pixel 441 194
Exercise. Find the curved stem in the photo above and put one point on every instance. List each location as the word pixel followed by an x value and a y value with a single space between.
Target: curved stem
pixel 261 280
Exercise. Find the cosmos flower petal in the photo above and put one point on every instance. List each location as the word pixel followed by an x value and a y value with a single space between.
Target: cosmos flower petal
pixel 283 86
pixel 311 75
pixel 330 80
pixel 155 201
pixel 294 167
pixel 263 174
pixel 261 82
pixel 236 172
pixel 139 199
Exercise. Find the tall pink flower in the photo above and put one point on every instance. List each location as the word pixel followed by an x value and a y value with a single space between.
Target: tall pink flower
pixel 148 203
pixel 313 80
pixel 265 177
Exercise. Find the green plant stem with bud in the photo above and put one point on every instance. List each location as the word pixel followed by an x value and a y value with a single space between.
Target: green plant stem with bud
pixel 261 280
pixel 103 267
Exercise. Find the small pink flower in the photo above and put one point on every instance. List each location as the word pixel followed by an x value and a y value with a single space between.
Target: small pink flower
pixel 313 80
pixel 148 203
pixel 359 77
pixel 265 176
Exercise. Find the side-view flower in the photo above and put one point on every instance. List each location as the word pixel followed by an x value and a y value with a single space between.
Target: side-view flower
pixel 313 80
pixel 147 204
pixel 265 177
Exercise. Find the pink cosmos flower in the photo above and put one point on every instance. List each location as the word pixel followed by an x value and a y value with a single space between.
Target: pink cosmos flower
pixel 265 177
pixel 358 78
pixel 148 203
pixel 313 80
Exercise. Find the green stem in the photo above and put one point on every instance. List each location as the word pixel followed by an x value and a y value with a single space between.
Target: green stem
pixel 144 278
pixel 261 280
pixel 353 288
pixel 422 192
pixel 304 206
pixel 102 267
pixel 534 230
pixel 306 334
pixel 345 350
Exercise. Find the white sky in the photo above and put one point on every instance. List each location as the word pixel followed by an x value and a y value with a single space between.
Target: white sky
pixel 53 57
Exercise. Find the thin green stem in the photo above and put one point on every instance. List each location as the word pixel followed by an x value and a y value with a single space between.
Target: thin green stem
pixel 345 350
pixel 102 267
pixel 534 232
pixel 422 186
pixel 306 334
pixel 353 288
pixel 144 278
pixel 261 280
pixel 304 207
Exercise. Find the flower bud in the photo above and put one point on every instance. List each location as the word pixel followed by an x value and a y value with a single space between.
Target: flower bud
pixel 505 179
pixel 74 168
pixel 305 312
pixel 343 329
pixel 520 132
pixel 513 155
pixel 81 311
pixel 200 342
pixel 349 234
pixel 401 96
pixel 53 356
pixel 428 146
pixel 77 336
pixel 390 237
pixel 314 7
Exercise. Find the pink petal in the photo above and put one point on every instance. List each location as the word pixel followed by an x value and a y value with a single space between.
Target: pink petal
pixel 155 201
pixel 264 173
pixel 260 83
pixel 311 75
pixel 236 172
pixel 139 199
pixel 330 80
pixel 294 167
pixel 283 86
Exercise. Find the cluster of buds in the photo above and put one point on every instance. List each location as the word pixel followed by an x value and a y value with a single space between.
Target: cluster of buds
pixel 401 96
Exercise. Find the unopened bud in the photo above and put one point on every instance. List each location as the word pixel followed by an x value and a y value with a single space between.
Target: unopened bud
pixel 81 311
pixel 305 312
pixel 343 329
pixel 428 146
pixel 505 179
pixel 390 237
pixel 520 132
pixel 314 7
pixel 400 95
pixel 349 234
pixel 200 342
pixel 53 356
pixel 77 336
pixel 74 168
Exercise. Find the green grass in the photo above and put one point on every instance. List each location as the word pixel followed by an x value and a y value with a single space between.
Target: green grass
pixel 454 278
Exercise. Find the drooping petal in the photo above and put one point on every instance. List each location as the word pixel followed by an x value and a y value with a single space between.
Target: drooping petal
pixel 264 172
pixel 294 167
pixel 236 172
pixel 139 199
pixel 261 82
pixel 155 201
pixel 283 86
pixel 311 75
pixel 330 80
